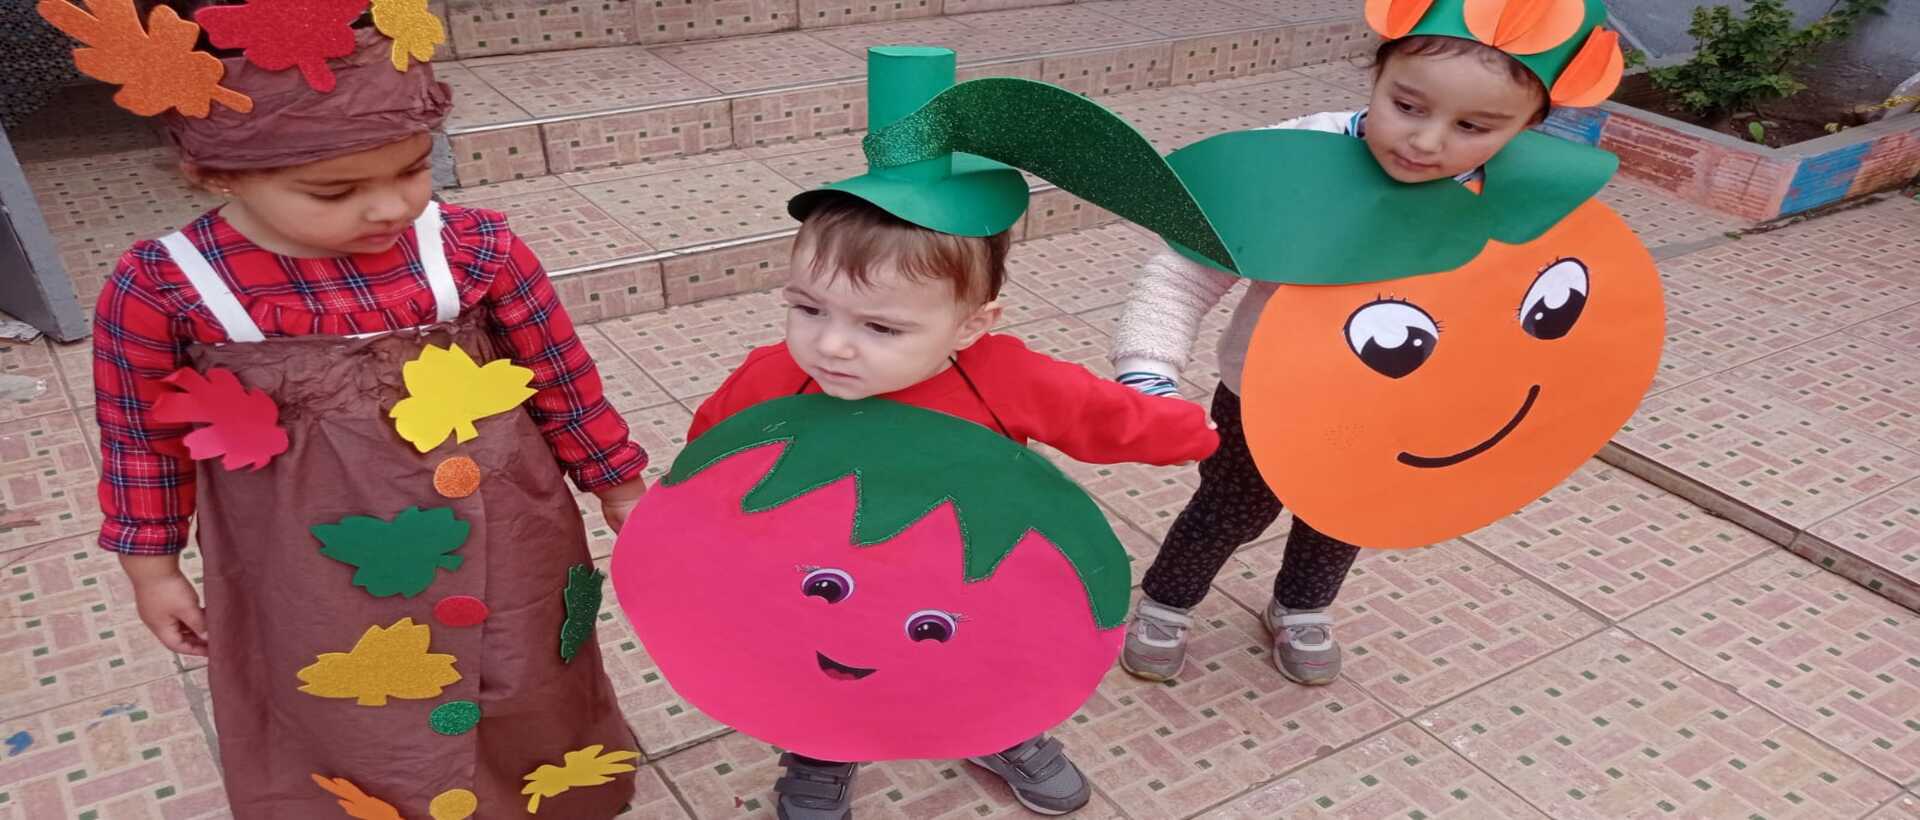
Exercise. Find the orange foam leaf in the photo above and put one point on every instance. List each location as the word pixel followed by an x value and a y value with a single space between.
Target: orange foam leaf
pixel 1524 26
pixel 1593 74
pixel 1392 19
pixel 356 803
pixel 155 66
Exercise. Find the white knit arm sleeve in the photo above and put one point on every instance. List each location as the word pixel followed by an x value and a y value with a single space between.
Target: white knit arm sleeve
pixel 1163 314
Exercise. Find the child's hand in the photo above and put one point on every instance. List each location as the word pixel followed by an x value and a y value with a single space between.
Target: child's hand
pixel 616 502
pixel 167 602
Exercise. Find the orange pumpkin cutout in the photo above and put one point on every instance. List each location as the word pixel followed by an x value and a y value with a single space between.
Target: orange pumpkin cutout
pixel 1404 413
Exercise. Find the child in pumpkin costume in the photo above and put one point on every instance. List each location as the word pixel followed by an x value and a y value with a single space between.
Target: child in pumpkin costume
pixel 331 328
pixel 1454 82
pixel 894 287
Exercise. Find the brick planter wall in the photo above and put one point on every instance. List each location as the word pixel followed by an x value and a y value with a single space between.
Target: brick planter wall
pixel 1742 178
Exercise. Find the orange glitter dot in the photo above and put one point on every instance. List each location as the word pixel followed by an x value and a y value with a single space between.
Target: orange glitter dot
pixel 457 477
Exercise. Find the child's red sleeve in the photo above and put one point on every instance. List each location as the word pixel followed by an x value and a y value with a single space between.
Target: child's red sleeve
pixel 1100 421
pixel 588 437
pixel 146 481
pixel 767 373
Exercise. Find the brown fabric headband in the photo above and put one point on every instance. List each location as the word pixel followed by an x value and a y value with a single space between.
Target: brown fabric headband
pixel 292 124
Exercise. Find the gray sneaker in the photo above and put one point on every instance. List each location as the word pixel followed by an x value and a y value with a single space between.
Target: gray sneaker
pixel 1041 776
pixel 1156 641
pixel 813 791
pixel 1304 648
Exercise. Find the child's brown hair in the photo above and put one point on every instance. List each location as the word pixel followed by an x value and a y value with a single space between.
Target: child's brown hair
pixel 849 236
pixel 1432 46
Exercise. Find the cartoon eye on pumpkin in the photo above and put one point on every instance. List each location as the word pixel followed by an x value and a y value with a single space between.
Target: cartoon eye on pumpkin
pixel 827 584
pixel 1391 336
pixel 1555 300
pixel 930 625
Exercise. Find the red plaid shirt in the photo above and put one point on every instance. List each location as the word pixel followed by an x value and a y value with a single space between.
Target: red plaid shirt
pixel 148 315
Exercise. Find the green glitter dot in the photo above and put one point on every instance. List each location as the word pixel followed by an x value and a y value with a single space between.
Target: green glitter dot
pixel 455 717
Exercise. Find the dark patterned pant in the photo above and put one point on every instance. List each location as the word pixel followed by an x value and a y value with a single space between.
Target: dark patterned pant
pixel 1232 507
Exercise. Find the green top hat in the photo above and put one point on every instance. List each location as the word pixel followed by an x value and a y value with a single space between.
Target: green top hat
pixel 954 192
pixel 1562 42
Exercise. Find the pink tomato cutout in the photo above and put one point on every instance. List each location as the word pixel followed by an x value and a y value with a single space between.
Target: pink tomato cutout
pixel 715 595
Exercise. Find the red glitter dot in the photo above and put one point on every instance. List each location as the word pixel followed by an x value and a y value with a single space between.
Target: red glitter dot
pixel 460 610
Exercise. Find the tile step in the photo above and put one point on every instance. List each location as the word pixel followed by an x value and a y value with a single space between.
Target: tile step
pixel 565 112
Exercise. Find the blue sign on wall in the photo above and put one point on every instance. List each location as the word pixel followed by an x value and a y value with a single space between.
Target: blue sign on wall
pixel 1824 178
pixel 1581 125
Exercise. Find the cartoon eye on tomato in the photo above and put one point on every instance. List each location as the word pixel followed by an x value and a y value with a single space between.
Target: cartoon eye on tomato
pixel 868 580
pixel 1406 412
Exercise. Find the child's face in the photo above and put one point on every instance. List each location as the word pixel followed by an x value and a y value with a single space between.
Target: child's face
pixel 354 204
pixel 893 333
pixel 1436 117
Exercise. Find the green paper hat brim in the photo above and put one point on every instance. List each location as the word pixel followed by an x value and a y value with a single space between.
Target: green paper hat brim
pixel 979 198
pixel 1314 208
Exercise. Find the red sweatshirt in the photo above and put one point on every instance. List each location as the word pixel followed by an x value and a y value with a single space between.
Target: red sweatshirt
pixel 1037 397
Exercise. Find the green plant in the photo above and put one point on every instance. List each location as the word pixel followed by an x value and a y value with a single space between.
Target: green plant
pixel 1757 131
pixel 1743 62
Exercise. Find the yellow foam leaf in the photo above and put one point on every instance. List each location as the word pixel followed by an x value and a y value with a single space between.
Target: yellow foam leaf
pixel 581 767
pixel 414 29
pixel 447 392
pixel 386 662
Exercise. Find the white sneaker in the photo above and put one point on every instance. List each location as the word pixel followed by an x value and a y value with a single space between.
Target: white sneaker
pixel 1156 646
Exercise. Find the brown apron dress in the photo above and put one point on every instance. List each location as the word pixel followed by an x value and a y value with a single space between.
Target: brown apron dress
pixel 274 602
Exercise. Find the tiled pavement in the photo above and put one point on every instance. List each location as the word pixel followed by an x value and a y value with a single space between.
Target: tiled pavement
pixel 1613 650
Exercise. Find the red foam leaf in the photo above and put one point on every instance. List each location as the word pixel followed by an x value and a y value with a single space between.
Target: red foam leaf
pixel 460 610
pixel 240 424
pixel 282 34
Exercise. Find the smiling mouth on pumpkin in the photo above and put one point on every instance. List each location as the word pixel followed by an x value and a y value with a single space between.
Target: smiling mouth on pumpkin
pixel 1412 460
pixel 840 671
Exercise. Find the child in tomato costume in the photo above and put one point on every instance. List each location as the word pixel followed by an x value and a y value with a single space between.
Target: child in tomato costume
pixel 399 597
pixel 893 292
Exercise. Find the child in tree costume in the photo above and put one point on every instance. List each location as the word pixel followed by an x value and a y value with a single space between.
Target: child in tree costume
pixel 399 599
pixel 854 578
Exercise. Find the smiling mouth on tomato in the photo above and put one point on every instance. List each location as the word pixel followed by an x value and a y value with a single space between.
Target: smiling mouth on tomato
pixel 1412 460
pixel 840 671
